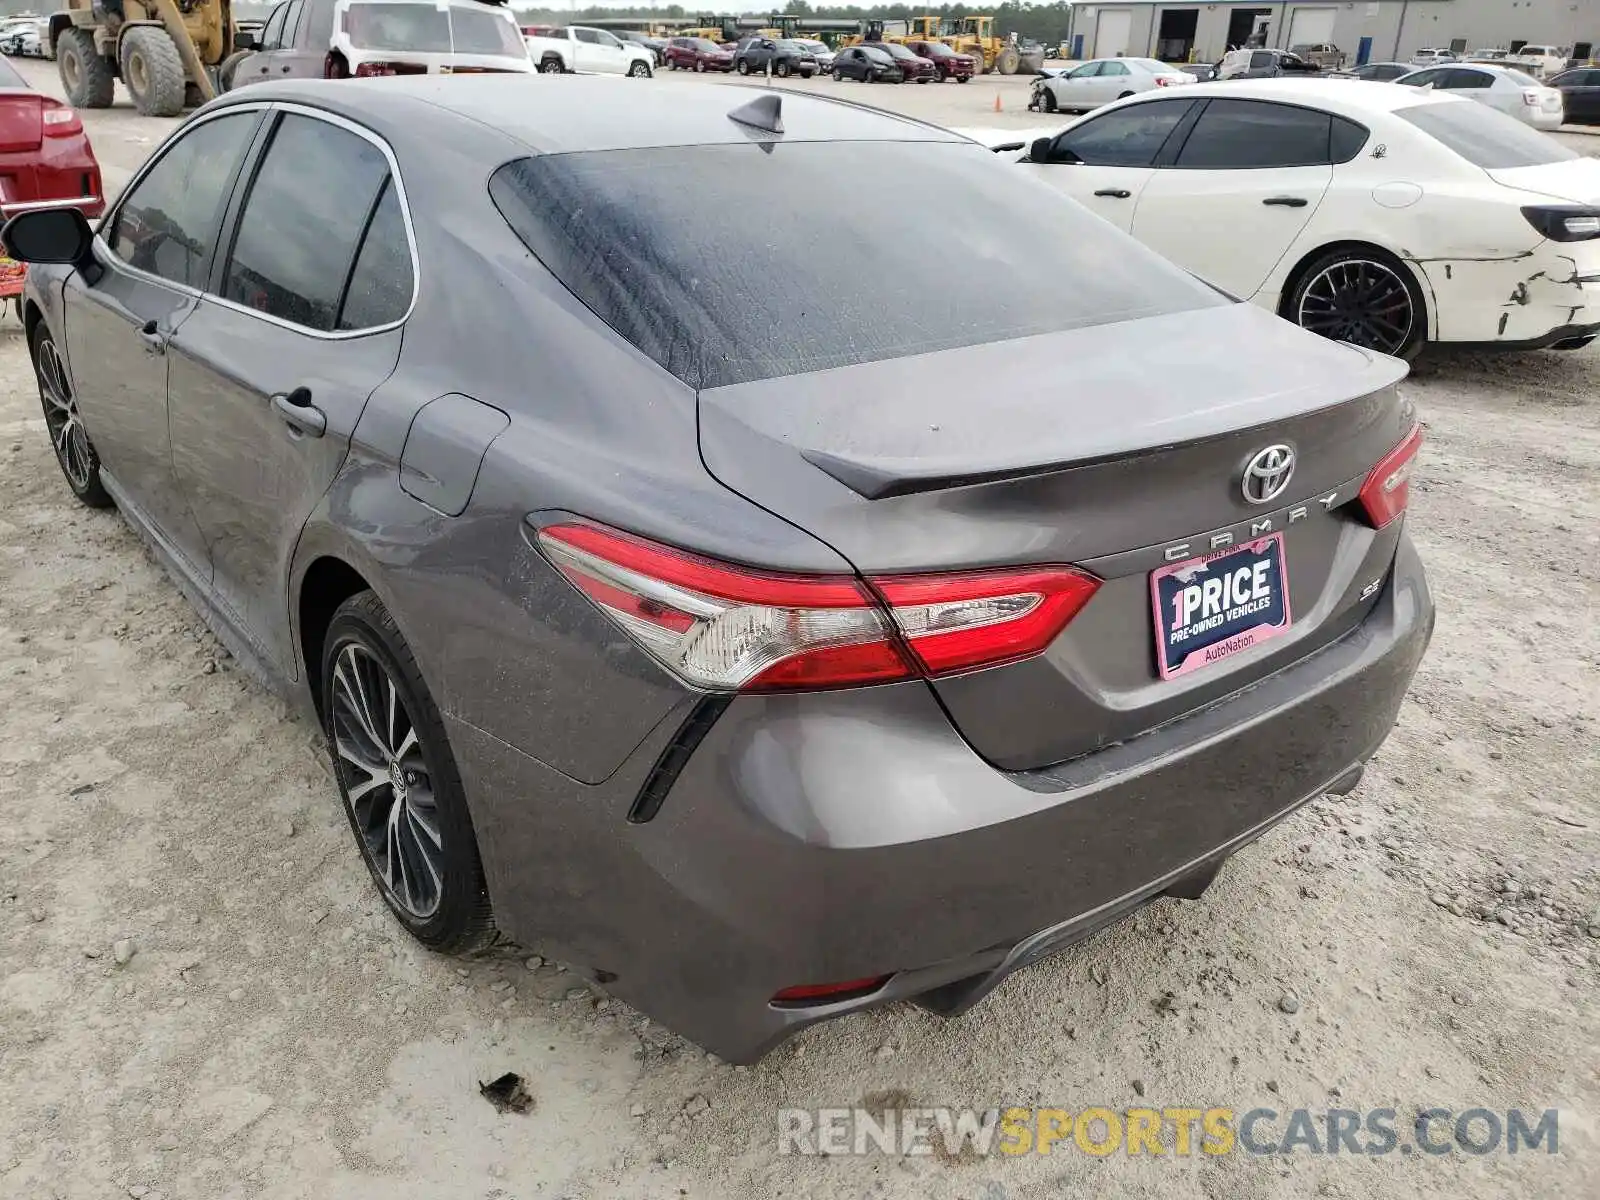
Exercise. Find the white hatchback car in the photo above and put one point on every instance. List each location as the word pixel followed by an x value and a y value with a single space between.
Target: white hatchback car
pixel 1102 80
pixel 1506 88
pixel 1373 214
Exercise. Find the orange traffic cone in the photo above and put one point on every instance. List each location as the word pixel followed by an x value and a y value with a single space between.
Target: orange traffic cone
pixel 997 102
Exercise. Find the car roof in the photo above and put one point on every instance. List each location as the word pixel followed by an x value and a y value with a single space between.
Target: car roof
pixel 1335 95
pixel 566 114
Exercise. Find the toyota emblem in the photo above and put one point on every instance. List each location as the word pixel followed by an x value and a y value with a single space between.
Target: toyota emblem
pixel 1267 474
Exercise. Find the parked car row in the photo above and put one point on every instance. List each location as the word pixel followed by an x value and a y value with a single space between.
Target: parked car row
pixel 868 62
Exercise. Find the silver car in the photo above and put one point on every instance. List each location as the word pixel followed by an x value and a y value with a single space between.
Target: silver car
pixel 1506 88
pixel 1102 80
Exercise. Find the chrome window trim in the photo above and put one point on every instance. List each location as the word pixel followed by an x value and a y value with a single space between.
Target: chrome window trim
pixel 336 335
pixel 274 106
pixel 109 221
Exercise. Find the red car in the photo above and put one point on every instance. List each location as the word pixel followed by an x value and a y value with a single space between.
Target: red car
pixel 911 66
pixel 45 157
pixel 947 63
pixel 698 54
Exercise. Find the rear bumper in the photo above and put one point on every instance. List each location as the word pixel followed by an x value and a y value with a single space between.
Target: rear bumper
pixel 833 836
pixel 1528 303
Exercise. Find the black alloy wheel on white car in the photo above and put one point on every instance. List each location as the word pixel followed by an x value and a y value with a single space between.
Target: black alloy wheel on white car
pixel 1363 296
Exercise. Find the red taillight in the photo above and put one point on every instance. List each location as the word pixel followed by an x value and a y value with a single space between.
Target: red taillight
pixel 984 618
pixel 1387 489
pixel 822 993
pixel 727 627
pixel 60 120
pixel 1163 81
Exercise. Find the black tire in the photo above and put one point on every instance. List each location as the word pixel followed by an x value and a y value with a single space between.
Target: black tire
pixel 1008 61
pixel 1048 101
pixel 86 77
pixel 550 64
pixel 75 453
pixel 963 78
pixel 700 66
pixel 462 919
pixel 1124 95
pixel 838 75
pixel 640 70
pixel 781 69
pixel 152 71
pixel 742 66
pixel 1313 300
pixel 230 68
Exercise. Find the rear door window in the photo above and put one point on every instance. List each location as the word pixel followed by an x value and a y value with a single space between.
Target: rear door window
pixel 1463 80
pixel 1251 134
pixel 168 222
pixel 312 198
pixel 1128 137
pixel 724 301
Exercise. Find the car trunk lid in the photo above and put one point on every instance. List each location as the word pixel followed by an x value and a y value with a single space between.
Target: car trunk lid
pixel 1118 449
pixel 1576 180
pixel 21 121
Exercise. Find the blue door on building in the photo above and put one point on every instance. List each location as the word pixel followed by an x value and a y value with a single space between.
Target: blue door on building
pixel 1363 52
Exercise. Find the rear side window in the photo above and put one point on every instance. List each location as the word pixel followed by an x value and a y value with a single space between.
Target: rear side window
pixel 381 281
pixel 1127 137
pixel 726 301
pixel 1459 80
pixel 303 220
pixel 169 220
pixel 1484 136
pixel 1249 134
pixel 1345 140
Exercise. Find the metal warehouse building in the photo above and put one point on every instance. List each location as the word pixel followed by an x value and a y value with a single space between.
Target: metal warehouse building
pixel 1366 30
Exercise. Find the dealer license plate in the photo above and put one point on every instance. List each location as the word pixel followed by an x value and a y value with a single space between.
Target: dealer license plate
pixel 1213 607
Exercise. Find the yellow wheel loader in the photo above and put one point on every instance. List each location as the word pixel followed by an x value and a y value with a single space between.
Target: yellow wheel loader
pixel 162 50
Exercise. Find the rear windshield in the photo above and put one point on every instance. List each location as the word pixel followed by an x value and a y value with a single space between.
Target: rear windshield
pixel 428 29
pixel 727 264
pixel 1484 136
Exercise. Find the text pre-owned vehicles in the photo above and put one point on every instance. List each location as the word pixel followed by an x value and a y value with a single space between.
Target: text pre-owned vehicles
pixel 1580 94
pixel 342 39
pixel 1376 214
pixel 570 48
pixel 1103 80
pixel 729 652
pixel 913 67
pixel 1504 88
pixel 698 54
pixel 866 64
pixel 45 157
pixel 782 56
pixel 1263 64
pixel 947 63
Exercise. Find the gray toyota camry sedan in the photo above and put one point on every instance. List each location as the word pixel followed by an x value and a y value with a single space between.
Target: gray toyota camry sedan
pixel 697 580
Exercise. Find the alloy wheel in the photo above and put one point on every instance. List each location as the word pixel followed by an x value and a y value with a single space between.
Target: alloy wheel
pixel 386 781
pixel 1359 301
pixel 67 434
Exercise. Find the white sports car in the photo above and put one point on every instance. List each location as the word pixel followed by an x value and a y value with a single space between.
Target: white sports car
pixel 1367 212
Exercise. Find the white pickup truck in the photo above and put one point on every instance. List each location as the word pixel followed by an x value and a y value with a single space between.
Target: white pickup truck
pixel 1538 60
pixel 570 48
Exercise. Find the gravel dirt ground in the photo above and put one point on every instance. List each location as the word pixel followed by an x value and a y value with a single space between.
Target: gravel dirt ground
pixel 200 996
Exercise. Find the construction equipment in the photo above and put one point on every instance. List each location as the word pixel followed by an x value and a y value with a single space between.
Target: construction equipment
pixel 162 51
pixel 973 36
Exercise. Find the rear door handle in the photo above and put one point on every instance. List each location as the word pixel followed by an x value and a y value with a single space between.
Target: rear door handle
pixel 1286 201
pixel 1117 193
pixel 299 413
